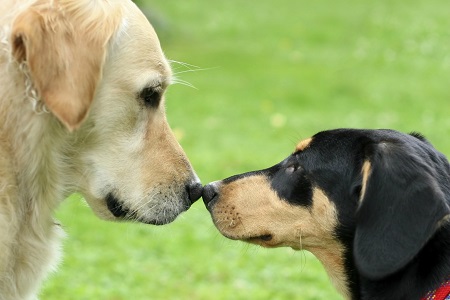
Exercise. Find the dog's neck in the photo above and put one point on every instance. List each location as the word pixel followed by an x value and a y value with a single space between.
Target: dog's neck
pixel 29 194
pixel 333 263
pixel 38 166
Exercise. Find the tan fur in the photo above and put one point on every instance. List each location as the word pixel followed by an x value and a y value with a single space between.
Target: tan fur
pixel 70 121
pixel 302 145
pixel 249 207
pixel 64 53
pixel 366 169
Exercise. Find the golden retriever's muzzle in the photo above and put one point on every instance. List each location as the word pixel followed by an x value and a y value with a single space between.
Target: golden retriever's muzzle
pixel 191 194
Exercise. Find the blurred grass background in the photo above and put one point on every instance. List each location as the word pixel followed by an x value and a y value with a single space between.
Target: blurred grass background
pixel 266 74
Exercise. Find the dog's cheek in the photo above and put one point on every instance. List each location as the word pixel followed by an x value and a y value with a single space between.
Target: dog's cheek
pixel 294 188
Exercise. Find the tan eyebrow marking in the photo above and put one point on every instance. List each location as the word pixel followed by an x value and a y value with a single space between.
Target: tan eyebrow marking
pixel 366 169
pixel 302 145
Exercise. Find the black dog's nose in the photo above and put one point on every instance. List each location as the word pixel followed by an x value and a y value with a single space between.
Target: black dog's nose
pixel 210 191
pixel 194 191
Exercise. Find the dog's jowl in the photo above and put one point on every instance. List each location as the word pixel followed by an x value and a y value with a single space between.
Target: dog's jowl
pixel 371 205
pixel 82 86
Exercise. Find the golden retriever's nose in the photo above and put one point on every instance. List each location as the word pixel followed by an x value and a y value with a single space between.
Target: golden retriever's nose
pixel 210 191
pixel 194 191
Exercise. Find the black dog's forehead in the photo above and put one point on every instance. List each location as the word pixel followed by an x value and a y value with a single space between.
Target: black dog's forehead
pixel 341 152
pixel 343 148
pixel 350 140
pixel 353 139
pixel 334 152
pixel 329 160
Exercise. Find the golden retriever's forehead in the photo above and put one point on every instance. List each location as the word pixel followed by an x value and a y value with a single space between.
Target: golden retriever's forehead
pixel 136 54
pixel 302 145
pixel 140 41
pixel 153 78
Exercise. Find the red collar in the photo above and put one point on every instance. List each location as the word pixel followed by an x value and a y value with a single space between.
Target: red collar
pixel 441 293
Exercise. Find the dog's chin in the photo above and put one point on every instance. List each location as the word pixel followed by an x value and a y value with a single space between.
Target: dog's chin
pixel 164 212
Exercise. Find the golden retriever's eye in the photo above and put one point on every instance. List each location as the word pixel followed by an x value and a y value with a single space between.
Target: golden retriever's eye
pixel 151 96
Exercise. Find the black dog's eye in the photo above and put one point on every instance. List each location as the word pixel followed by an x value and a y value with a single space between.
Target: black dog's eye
pixel 291 169
pixel 151 96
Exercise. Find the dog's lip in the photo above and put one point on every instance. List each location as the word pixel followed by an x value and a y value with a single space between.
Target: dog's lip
pixel 115 207
pixel 263 237
pixel 265 240
pixel 123 213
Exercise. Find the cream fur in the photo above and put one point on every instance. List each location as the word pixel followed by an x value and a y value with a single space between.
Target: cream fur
pixel 71 121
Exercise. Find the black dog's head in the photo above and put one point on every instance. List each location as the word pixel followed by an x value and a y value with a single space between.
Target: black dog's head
pixel 362 201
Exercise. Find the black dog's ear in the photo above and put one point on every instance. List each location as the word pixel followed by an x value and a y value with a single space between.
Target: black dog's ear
pixel 400 208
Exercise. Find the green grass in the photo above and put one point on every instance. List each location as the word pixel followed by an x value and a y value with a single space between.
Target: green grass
pixel 274 73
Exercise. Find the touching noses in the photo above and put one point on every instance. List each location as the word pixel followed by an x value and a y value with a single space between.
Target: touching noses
pixel 194 191
pixel 210 192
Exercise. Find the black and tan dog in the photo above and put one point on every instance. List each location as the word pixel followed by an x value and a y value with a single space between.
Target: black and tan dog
pixel 371 205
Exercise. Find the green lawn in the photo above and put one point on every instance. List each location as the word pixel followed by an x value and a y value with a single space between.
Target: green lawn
pixel 269 73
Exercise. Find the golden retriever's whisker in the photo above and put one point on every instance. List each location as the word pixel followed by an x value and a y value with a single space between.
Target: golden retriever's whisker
pixel 184 64
pixel 179 68
pixel 183 82
pixel 192 70
pixel 143 202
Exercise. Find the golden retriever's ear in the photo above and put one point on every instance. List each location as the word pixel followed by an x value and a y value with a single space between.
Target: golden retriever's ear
pixel 64 59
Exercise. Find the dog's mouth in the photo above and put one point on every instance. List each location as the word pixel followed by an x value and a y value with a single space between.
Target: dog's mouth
pixel 161 215
pixel 260 238
pixel 265 240
pixel 115 207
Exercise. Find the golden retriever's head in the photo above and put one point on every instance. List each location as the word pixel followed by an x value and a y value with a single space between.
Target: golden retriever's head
pixel 99 69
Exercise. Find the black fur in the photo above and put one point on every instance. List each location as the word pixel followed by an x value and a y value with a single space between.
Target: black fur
pixel 397 234
pixel 398 246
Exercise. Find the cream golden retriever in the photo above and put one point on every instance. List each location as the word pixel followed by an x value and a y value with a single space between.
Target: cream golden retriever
pixel 81 110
